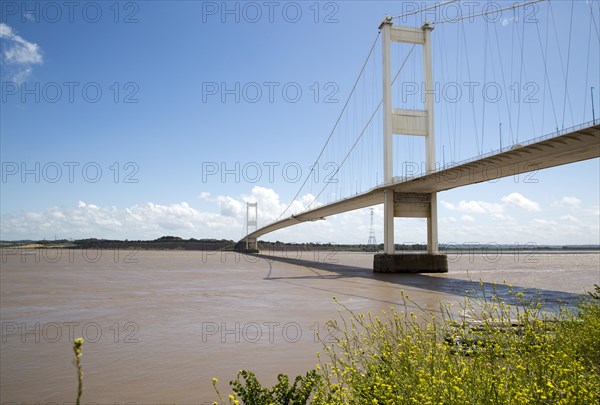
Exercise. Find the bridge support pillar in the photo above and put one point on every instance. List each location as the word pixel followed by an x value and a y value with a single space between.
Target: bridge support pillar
pixel 251 246
pixel 410 263
pixel 413 205
pixel 413 123
pixel 388 223
pixel 432 226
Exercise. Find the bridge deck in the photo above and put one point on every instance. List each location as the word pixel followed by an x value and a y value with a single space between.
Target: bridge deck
pixel 573 145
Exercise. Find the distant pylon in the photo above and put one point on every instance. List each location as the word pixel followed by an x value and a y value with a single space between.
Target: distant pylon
pixel 372 240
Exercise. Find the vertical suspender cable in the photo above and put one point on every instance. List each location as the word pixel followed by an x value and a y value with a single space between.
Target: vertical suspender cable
pixel 521 67
pixel 587 68
pixel 485 42
pixel 568 60
pixel 469 74
pixel 544 49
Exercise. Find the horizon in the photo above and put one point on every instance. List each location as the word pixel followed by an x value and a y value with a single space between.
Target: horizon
pixel 173 238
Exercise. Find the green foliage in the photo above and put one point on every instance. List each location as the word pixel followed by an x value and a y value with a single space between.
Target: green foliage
pixel 581 333
pixel 251 392
pixel 595 295
pixel 495 353
pixel 500 351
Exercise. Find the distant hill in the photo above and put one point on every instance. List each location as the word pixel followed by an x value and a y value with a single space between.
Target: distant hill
pixel 162 243
pixel 178 243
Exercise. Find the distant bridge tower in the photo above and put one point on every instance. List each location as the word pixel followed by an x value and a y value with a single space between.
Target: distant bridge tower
pixel 251 225
pixel 372 240
pixel 408 122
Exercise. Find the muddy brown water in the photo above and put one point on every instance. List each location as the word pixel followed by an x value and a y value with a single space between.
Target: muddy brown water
pixel 160 324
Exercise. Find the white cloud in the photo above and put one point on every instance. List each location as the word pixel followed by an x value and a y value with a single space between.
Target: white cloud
pixel 230 207
pixel 18 55
pixel 568 201
pixel 21 75
pixel 268 201
pixel 475 207
pixel 593 210
pixel 223 216
pixel 471 206
pixel 271 207
pixel 507 20
pixel 145 221
pixel 498 211
pixel 518 200
pixel 151 220
pixel 541 221
pixel 570 218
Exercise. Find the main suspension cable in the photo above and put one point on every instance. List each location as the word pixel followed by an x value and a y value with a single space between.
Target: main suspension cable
pixel 334 126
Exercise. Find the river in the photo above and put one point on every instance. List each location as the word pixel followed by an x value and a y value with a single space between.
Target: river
pixel 159 325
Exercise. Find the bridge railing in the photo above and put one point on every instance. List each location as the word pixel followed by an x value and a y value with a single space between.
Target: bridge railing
pixel 401 179
pixel 555 134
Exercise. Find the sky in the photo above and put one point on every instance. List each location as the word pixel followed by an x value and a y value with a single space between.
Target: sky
pixel 139 119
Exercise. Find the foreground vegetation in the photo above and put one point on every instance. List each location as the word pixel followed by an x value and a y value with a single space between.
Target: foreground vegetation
pixel 497 351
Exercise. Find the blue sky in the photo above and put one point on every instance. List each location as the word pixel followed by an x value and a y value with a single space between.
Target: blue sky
pixel 115 116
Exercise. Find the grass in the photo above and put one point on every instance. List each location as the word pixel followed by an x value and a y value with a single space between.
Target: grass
pixel 494 352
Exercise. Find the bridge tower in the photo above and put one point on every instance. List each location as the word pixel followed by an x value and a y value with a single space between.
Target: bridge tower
pixel 251 223
pixel 408 123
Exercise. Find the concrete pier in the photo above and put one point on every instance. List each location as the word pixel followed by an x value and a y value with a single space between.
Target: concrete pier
pixel 410 263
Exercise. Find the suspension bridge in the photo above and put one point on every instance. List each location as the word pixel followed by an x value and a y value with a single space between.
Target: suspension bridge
pixel 384 141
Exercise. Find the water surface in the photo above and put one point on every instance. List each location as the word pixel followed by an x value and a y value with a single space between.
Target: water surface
pixel 160 324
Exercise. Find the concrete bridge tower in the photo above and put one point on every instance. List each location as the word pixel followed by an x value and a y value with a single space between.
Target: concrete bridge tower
pixel 251 226
pixel 408 123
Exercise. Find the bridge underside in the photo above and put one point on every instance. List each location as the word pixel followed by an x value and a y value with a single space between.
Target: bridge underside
pixel 577 145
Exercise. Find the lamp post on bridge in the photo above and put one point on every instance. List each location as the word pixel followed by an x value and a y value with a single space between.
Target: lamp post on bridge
pixel 593 109
pixel 443 157
pixel 500 137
